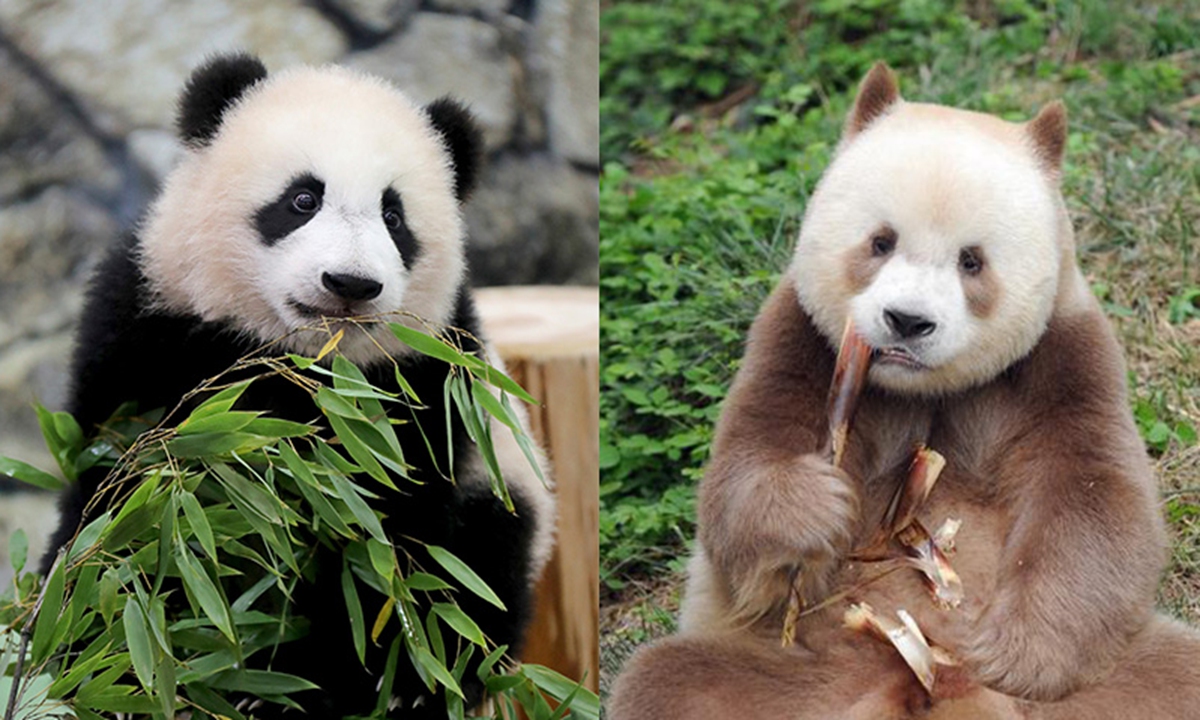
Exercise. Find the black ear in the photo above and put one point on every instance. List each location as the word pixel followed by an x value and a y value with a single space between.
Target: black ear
pixel 463 139
pixel 209 92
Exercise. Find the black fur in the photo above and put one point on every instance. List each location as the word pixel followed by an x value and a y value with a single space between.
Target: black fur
pixel 280 217
pixel 129 352
pixel 405 242
pixel 463 139
pixel 211 90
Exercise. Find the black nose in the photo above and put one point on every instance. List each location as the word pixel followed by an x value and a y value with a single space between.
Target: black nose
pixel 351 287
pixel 908 326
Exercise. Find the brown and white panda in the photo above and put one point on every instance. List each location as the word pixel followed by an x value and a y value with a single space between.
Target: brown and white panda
pixel 943 235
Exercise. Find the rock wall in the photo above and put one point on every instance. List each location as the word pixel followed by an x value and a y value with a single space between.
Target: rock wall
pixel 87 93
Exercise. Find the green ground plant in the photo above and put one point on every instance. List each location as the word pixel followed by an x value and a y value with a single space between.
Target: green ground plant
pixel 188 565
pixel 716 126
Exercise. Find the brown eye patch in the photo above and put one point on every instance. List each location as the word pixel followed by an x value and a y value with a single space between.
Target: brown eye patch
pixel 867 257
pixel 979 282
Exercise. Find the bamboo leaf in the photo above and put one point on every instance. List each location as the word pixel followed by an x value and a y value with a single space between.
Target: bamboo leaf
pixel 47 618
pixel 354 610
pixel 216 423
pixel 359 508
pixel 201 587
pixel 464 574
pixel 431 665
pixel 493 376
pixel 165 686
pixel 334 404
pixel 277 428
pixel 385 613
pixel 137 637
pixel 331 344
pixel 18 550
pixel 222 402
pixel 463 625
pixel 389 677
pixel 28 474
pixel 383 558
pixel 585 703
pixel 212 703
pixel 358 449
pixel 261 682
pixel 426 582
pixel 210 444
pixel 199 524
pixel 427 345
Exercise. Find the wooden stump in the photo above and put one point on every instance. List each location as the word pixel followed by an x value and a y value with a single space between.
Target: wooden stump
pixel 549 339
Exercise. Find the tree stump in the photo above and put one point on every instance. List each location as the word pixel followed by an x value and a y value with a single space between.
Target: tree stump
pixel 549 339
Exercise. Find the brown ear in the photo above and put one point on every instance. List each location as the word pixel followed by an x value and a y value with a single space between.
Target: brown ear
pixel 1049 134
pixel 876 94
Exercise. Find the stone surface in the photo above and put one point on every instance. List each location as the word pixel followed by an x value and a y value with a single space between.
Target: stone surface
pixel 40 144
pixel 483 7
pixel 379 16
pixel 450 55
pixel 527 225
pixel 127 59
pixel 566 58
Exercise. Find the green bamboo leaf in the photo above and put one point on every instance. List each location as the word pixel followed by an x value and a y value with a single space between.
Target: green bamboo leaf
pixel 212 703
pixel 277 428
pixel 354 609
pixel 217 422
pixel 489 662
pixel 426 582
pixel 199 524
pixel 436 645
pixel 493 376
pixel 484 397
pixel 405 387
pixel 427 345
pixel 359 508
pixel 27 473
pixel 202 589
pixel 47 618
pixel 119 698
pixel 383 558
pixel 90 534
pixel 464 574
pixel 431 665
pixel 463 625
pixel 143 493
pixel 585 703
pixel 18 550
pixel 109 585
pixel 92 454
pixel 261 682
pixel 334 404
pixel 123 531
pixel 313 491
pixel 80 669
pixel 137 637
pixel 222 402
pixel 246 599
pixel 267 506
pixel 358 449
pixel 389 677
pixel 212 444
pixel 165 686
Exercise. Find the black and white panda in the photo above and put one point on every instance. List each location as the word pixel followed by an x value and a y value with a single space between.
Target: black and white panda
pixel 310 195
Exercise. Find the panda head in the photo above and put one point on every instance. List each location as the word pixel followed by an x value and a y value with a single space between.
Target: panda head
pixel 942 234
pixel 308 196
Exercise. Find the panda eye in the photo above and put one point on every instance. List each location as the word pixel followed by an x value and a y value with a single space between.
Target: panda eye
pixel 392 218
pixel 970 261
pixel 305 202
pixel 883 242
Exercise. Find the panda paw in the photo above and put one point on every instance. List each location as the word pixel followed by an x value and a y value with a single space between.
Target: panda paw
pixel 787 518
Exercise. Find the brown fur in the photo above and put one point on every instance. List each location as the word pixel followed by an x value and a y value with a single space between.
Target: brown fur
pixel 876 94
pixel 1048 131
pixel 1060 549
pixel 982 291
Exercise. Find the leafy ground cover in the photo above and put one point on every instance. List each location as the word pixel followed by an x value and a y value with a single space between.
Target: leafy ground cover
pixel 717 120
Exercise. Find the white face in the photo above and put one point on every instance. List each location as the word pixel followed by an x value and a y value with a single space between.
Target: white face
pixel 325 195
pixel 939 236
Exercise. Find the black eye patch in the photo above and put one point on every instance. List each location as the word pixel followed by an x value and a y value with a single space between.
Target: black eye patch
pixel 296 205
pixel 392 213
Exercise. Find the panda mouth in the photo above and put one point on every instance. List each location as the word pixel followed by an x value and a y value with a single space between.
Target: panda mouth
pixel 316 312
pixel 901 356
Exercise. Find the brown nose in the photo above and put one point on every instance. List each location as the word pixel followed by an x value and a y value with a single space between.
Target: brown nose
pixel 351 287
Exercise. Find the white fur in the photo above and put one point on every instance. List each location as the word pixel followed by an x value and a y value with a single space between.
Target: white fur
pixel 359 135
pixel 943 180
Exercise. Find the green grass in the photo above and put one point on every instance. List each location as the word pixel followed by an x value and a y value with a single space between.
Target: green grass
pixel 717 124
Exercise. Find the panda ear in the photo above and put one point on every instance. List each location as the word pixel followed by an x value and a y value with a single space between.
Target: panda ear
pixel 463 140
pixel 1048 131
pixel 210 91
pixel 877 93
